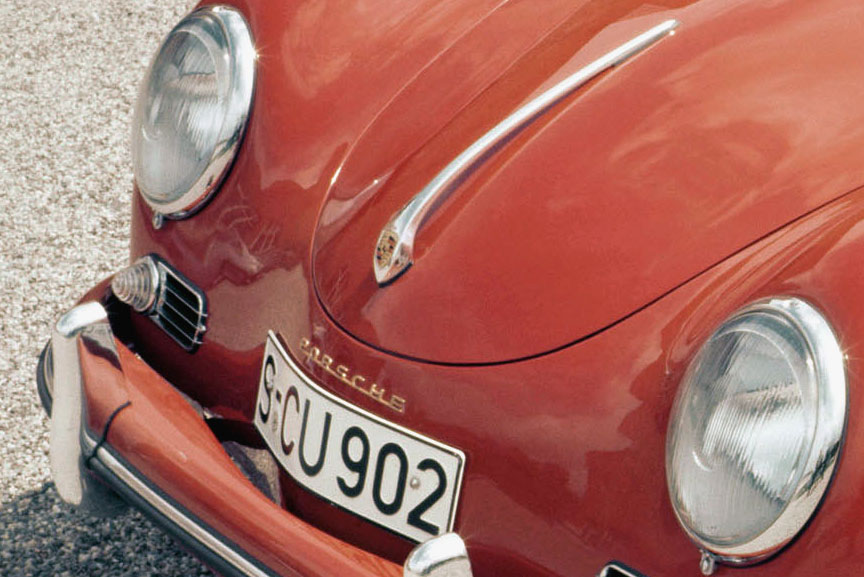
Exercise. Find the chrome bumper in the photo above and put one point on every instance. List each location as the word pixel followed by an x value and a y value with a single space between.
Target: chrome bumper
pixel 92 476
pixel 84 466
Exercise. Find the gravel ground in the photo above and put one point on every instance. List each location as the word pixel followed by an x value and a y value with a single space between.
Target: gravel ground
pixel 68 77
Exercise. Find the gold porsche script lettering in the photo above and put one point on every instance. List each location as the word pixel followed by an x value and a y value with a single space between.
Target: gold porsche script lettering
pixel 344 374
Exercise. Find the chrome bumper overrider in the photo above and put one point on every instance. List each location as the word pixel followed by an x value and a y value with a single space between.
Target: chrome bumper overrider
pixel 84 465
pixel 69 438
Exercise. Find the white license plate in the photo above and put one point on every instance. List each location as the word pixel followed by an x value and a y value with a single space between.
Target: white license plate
pixel 391 476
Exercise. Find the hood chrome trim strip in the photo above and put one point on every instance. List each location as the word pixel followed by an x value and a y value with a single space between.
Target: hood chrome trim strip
pixel 394 252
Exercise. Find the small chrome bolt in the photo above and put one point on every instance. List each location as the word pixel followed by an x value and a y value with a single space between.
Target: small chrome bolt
pixel 414 483
pixel 707 564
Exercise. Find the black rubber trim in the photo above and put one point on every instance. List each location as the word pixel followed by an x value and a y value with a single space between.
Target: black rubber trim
pixel 41 385
pixel 213 560
pixel 104 438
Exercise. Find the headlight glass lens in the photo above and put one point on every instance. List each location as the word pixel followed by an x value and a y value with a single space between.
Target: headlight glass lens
pixel 192 110
pixel 756 428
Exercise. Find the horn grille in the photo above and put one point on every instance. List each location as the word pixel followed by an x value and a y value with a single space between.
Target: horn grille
pixel 180 308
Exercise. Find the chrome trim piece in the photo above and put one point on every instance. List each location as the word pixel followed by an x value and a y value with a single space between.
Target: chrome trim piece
pixel 239 48
pixel 394 251
pixel 831 419
pixel 190 526
pixel 442 556
pixel 615 569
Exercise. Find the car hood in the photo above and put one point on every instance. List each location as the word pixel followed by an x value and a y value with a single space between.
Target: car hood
pixel 655 171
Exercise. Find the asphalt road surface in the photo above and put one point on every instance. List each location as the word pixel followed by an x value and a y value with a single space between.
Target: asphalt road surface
pixel 68 78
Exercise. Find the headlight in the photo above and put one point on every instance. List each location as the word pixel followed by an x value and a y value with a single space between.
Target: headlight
pixel 192 110
pixel 756 429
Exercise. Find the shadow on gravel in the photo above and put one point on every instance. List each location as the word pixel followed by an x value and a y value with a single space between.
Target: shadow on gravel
pixel 41 535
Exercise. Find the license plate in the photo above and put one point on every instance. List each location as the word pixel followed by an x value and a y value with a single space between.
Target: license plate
pixel 396 478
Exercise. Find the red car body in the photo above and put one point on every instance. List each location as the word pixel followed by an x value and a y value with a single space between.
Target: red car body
pixel 556 297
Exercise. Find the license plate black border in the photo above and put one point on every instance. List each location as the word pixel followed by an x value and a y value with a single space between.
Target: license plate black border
pixel 277 343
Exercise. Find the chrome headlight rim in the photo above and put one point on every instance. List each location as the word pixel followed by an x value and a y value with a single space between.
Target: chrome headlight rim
pixel 831 422
pixel 242 58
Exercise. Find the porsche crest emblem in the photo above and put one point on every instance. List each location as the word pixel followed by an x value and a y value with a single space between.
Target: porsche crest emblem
pixel 387 243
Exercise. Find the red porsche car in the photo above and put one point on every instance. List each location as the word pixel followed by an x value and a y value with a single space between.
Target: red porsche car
pixel 553 288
